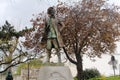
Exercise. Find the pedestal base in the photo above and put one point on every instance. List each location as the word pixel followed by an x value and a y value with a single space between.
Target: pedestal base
pixel 55 73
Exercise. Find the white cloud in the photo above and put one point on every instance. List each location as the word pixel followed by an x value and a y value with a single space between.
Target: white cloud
pixel 19 12
pixel 3 6
pixel 116 2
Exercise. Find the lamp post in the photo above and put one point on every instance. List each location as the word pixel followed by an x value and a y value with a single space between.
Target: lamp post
pixel 9 76
pixel 28 70
pixel 119 69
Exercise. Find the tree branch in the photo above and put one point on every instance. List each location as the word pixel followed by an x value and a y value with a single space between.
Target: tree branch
pixel 14 64
pixel 72 61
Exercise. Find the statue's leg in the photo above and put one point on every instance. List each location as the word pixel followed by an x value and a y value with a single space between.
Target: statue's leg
pixel 49 47
pixel 57 49
pixel 48 55
pixel 59 55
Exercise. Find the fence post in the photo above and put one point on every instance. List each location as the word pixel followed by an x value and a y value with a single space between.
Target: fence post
pixel 119 69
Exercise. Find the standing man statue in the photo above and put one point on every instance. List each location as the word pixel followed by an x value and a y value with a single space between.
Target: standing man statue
pixel 52 32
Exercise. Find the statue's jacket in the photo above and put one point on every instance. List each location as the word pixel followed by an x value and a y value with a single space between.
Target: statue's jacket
pixel 56 27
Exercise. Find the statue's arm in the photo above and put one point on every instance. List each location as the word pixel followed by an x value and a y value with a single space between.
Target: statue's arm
pixel 60 24
pixel 63 26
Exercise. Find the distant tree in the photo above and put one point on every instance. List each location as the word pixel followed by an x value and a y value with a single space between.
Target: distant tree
pixel 35 63
pixel 92 28
pixel 34 35
pixel 11 50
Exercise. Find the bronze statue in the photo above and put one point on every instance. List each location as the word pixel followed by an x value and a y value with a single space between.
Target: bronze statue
pixel 53 37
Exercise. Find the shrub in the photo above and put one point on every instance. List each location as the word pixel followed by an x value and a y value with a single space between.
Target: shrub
pixel 75 78
pixel 91 73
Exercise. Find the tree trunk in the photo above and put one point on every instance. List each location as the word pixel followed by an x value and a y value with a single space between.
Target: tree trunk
pixel 78 64
pixel 79 67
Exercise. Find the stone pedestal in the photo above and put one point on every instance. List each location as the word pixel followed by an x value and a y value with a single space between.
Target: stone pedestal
pixel 33 74
pixel 55 73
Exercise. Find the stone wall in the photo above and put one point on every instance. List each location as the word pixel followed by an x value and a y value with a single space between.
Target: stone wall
pixel 33 74
pixel 44 73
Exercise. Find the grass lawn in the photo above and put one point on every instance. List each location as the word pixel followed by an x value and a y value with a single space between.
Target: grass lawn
pixel 113 78
pixel 107 78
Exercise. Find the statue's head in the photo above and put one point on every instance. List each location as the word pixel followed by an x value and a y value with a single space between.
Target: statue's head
pixel 51 12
